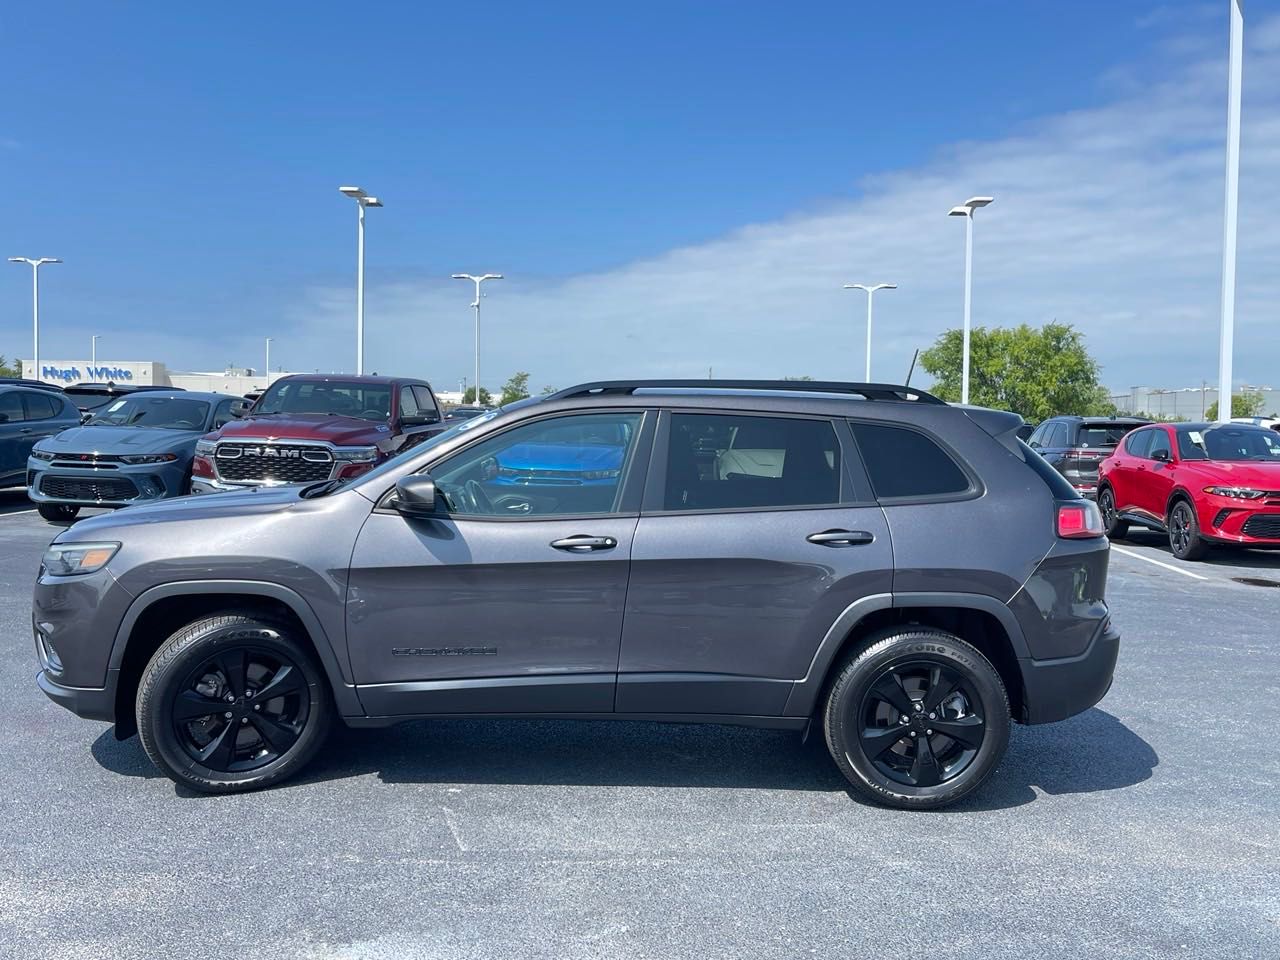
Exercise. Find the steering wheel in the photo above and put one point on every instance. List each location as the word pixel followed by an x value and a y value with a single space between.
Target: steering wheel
pixel 372 414
pixel 480 502
pixel 186 425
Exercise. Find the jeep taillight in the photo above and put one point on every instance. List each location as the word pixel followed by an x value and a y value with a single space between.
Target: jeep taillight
pixel 1079 520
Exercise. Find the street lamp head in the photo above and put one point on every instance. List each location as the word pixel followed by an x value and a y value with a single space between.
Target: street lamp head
pixel 492 276
pixel 461 276
pixel 958 212
pixel 352 192
pixel 370 202
pixel 47 260
pixel 19 260
pixel 966 209
pixel 974 202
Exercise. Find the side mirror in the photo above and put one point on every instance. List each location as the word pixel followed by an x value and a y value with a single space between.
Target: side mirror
pixel 415 495
pixel 240 407
pixel 1034 444
pixel 4 418
pixel 1160 455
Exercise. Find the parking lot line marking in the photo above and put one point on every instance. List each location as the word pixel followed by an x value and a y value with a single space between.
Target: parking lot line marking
pixel 16 513
pixel 1158 563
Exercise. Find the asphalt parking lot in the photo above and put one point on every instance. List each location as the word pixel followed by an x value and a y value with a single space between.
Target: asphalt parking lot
pixel 1146 827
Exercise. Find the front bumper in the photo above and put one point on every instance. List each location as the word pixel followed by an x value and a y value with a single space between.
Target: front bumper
pixel 1056 689
pixel 207 485
pixel 1229 520
pixel 92 703
pixel 89 487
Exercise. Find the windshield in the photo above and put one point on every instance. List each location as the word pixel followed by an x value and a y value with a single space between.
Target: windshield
pixel 339 398
pixel 459 426
pixel 1229 443
pixel 172 413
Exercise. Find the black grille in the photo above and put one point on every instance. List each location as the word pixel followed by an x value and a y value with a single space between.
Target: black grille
pixel 1221 517
pixel 89 488
pixel 278 462
pixel 1263 525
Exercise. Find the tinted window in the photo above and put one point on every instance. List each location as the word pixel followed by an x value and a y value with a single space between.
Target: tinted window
pixel 904 463
pixel 408 404
pixel 721 462
pixel 1037 438
pixel 1092 435
pixel 41 406
pixel 223 416
pixel 367 401
pixel 426 401
pixel 1058 438
pixel 11 407
pixel 561 466
pixel 1159 442
pixel 1139 442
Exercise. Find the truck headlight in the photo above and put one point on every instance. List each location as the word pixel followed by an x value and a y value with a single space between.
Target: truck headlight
pixel 68 559
pixel 205 448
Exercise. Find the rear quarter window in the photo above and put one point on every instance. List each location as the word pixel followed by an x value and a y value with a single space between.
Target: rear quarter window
pixel 901 463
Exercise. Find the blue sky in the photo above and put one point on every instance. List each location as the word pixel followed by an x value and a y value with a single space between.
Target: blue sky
pixel 667 187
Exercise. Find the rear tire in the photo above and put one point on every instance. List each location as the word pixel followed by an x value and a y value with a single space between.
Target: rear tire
pixel 57 512
pixel 1116 529
pixel 232 703
pixel 943 699
pixel 1185 541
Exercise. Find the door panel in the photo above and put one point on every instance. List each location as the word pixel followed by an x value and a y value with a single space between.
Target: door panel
pixel 739 595
pixel 443 599
pixel 14 446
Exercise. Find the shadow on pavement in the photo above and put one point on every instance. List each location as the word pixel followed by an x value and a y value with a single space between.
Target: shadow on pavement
pixel 1217 557
pixel 1089 753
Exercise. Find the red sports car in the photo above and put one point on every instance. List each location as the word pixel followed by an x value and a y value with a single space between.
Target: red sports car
pixel 1203 484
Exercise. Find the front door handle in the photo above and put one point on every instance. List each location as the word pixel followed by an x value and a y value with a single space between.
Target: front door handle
pixel 25 430
pixel 841 538
pixel 582 544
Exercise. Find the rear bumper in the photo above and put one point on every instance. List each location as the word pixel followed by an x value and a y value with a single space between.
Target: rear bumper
pixel 1056 689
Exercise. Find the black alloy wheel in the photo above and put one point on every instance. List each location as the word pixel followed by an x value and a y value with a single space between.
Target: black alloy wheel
pixel 1111 523
pixel 1184 533
pixel 917 718
pixel 921 723
pixel 232 703
pixel 240 710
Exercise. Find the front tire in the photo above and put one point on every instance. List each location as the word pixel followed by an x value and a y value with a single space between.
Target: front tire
pixel 917 720
pixel 232 703
pixel 1116 529
pixel 57 512
pixel 1185 541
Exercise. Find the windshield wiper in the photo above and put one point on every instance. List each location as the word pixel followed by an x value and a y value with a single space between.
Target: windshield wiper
pixel 323 488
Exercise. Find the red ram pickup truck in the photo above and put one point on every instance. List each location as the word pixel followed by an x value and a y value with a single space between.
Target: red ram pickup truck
pixel 306 428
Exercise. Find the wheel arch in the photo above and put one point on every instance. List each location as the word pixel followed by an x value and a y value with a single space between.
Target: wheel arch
pixel 1179 493
pixel 160 612
pixel 982 621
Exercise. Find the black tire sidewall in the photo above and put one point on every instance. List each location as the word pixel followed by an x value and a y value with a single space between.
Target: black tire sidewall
pixel 57 512
pixel 1195 543
pixel 184 651
pixel 915 644
pixel 1117 528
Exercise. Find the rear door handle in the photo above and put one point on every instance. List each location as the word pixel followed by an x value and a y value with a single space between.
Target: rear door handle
pixel 841 538
pixel 582 544
pixel 25 430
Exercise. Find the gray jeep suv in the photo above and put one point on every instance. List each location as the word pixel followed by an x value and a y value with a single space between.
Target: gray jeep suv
pixel 905 573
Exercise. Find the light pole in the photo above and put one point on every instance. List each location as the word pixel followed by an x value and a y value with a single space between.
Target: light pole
pixel 35 305
pixel 268 339
pixel 477 281
pixel 966 210
pixel 1227 334
pixel 93 350
pixel 362 200
pixel 870 294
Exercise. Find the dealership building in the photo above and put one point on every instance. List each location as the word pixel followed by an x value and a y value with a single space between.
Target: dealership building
pixel 66 373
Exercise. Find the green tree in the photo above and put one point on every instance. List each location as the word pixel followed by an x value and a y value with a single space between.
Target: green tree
pixel 547 391
pixel 801 377
pixel 1247 404
pixel 516 388
pixel 8 371
pixel 1038 373
pixel 469 397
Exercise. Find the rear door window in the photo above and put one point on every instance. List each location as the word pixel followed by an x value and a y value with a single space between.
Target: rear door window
pixel 408 405
pixel 906 463
pixel 41 406
pixel 11 407
pixel 727 462
pixel 1058 436
pixel 1139 442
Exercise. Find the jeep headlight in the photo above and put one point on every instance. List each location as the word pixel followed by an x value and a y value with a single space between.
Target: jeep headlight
pixel 68 559
pixel 1236 493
